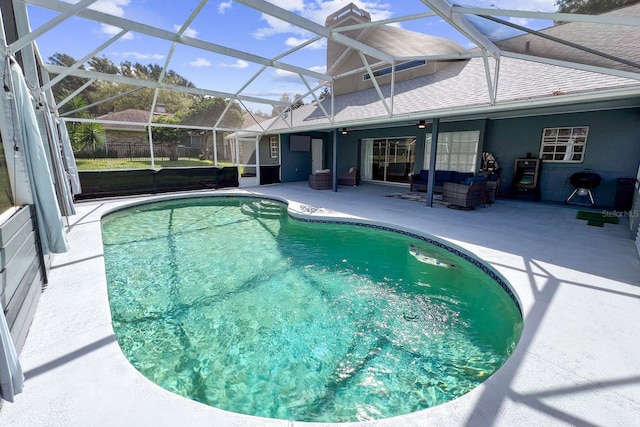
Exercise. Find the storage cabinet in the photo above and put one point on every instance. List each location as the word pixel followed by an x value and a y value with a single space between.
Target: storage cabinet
pixel 526 178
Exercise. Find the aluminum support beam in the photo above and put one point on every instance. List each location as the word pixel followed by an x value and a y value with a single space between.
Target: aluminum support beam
pixel 297 20
pixel 173 37
pixel 442 8
pixel 87 74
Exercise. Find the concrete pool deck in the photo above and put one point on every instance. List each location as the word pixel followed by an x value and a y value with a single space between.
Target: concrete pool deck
pixel 577 363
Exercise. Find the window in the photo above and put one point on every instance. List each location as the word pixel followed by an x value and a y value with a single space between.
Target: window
pixel 274 147
pixel 457 151
pixel 565 144
pixel 399 67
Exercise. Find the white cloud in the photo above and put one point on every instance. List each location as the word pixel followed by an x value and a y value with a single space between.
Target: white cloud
pixel 533 5
pixel 287 76
pixel 519 21
pixel 138 55
pixel 200 62
pixel 111 7
pixel 527 5
pixel 238 64
pixel 291 5
pixel 316 11
pixel 223 6
pixel 278 26
pixel 294 42
pixel 319 68
pixel 189 32
pixel 110 31
pixel 115 8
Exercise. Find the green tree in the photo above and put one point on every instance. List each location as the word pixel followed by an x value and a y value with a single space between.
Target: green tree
pixel 88 134
pixel 279 109
pixel 102 64
pixel 206 111
pixel 83 134
pixel 169 135
pixel 174 101
pixel 591 7
pixel 325 93
pixel 297 102
pixel 70 83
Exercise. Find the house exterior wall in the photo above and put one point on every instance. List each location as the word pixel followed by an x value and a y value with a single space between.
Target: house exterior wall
pixel 349 145
pixel 126 136
pixel 296 165
pixel 612 150
pixel 265 151
pixel 355 82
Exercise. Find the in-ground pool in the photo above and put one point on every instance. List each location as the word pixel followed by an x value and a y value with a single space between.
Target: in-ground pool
pixel 230 302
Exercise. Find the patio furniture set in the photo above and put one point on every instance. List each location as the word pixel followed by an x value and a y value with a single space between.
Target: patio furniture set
pixel 461 190
pixel 323 179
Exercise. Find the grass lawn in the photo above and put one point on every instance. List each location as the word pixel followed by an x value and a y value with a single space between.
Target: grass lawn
pixel 91 164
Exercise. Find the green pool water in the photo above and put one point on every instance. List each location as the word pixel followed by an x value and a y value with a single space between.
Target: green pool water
pixel 230 302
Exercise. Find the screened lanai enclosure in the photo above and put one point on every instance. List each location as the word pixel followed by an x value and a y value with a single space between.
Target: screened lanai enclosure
pixel 119 97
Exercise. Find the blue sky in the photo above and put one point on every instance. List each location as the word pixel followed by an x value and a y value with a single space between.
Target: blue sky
pixel 239 27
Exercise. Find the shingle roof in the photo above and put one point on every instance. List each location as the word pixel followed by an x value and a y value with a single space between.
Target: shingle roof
pixel 130 115
pixel 460 85
pixel 393 41
pixel 619 41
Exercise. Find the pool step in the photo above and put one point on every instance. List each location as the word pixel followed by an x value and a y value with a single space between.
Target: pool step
pixel 264 209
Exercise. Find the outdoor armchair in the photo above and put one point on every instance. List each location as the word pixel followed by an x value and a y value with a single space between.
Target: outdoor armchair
pixel 467 195
pixel 321 180
pixel 352 177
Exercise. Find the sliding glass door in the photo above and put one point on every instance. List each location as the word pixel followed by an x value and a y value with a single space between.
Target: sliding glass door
pixel 388 159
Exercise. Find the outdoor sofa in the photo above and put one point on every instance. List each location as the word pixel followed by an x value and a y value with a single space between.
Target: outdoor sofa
pixel 418 181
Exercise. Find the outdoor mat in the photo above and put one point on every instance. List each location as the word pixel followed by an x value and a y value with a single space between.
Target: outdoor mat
pixel 415 196
pixel 596 219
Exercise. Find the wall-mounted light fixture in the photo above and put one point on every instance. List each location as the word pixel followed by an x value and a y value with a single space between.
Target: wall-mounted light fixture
pixel 422 124
pixel 344 131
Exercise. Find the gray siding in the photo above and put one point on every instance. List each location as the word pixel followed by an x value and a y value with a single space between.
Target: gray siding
pixel 296 165
pixel 612 151
pixel 21 277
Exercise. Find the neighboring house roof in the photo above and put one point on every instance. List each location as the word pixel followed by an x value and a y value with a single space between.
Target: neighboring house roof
pixel 458 89
pixel 130 115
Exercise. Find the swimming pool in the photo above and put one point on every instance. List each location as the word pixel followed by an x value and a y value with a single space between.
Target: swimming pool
pixel 231 302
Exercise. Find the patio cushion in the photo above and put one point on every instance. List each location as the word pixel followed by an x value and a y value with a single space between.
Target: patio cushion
pixel 461 177
pixel 424 175
pixel 469 180
pixel 443 176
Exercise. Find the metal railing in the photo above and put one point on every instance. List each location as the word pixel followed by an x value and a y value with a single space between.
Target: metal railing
pixel 133 151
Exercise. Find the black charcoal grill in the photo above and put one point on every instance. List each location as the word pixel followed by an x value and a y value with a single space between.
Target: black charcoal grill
pixel 584 182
